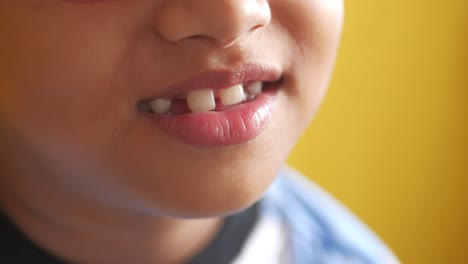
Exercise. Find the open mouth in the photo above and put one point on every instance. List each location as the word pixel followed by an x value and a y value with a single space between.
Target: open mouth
pixel 216 108
pixel 204 100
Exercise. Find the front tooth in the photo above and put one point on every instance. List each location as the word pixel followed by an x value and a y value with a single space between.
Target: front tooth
pixel 255 88
pixel 201 100
pixel 160 106
pixel 232 95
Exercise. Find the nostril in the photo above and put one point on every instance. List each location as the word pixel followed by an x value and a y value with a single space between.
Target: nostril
pixel 223 21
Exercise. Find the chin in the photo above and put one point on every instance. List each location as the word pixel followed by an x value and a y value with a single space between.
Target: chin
pixel 227 194
pixel 202 189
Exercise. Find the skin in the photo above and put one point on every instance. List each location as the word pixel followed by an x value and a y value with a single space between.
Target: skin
pixel 80 164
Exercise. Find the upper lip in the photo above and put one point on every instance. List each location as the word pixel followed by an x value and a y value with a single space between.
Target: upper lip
pixel 224 78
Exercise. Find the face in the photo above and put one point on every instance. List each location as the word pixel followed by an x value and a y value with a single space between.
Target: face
pixel 99 98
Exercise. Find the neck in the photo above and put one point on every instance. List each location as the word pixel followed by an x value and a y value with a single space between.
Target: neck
pixel 97 233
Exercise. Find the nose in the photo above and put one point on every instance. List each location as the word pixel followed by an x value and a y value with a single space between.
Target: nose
pixel 222 21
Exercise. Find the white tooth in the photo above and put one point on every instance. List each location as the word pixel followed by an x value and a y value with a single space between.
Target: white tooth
pixel 232 95
pixel 201 100
pixel 255 88
pixel 160 106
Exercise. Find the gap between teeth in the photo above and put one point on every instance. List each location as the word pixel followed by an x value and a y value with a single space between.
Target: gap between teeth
pixel 204 100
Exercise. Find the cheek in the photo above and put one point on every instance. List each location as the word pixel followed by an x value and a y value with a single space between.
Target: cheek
pixel 316 21
pixel 313 25
pixel 314 29
pixel 55 82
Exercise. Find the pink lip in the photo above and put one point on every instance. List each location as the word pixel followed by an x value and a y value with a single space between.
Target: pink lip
pixel 234 125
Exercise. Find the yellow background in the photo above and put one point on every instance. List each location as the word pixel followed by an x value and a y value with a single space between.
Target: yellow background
pixel 391 139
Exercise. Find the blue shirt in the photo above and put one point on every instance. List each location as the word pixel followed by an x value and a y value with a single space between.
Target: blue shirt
pixel 315 227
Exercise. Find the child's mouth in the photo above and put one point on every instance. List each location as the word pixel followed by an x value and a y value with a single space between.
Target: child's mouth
pixel 206 99
pixel 200 113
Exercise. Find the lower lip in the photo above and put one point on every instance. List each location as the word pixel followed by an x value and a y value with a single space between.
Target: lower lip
pixel 238 124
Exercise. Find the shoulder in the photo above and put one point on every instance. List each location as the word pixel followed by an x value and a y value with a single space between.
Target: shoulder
pixel 321 228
